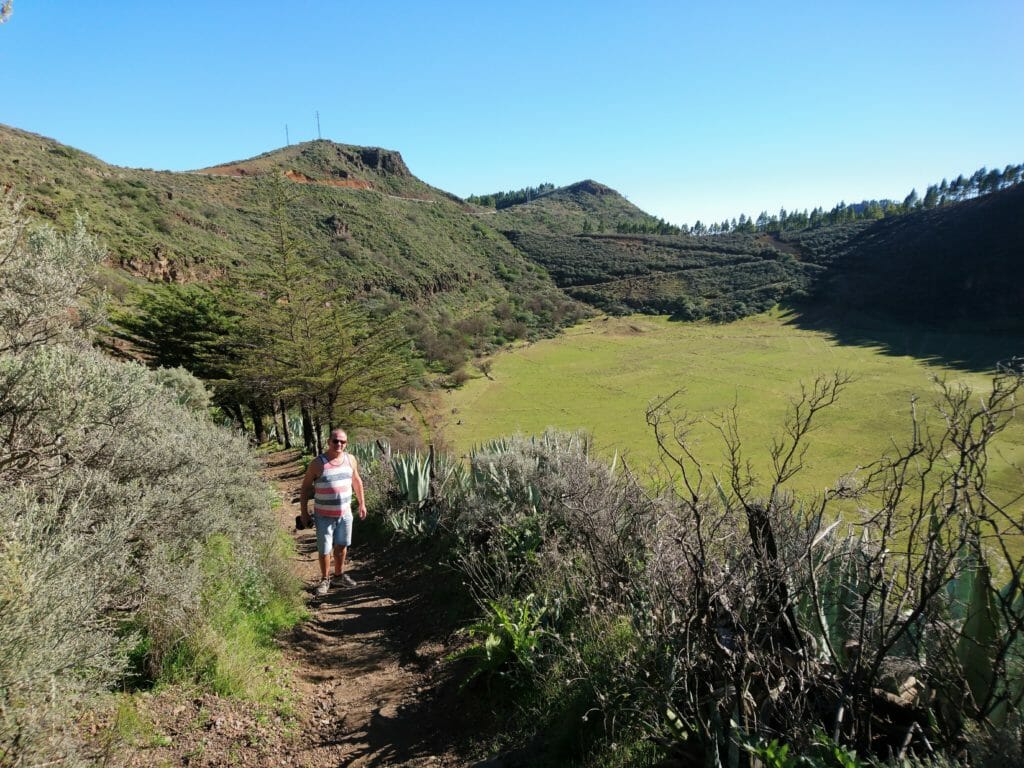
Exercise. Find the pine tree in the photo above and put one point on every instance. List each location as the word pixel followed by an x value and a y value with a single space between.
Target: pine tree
pixel 304 339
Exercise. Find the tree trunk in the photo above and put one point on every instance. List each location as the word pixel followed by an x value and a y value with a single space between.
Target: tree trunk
pixel 307 431
pixel 318 432
pixel 284 425
pixel 233 409
pixel 330 414
pixel 257 422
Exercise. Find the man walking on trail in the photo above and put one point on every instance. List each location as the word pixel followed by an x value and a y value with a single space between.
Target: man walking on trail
pixel 330 480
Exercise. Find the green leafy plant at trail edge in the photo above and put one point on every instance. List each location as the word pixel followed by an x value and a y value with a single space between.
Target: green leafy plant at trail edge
pixel 511 637
pixel 824 753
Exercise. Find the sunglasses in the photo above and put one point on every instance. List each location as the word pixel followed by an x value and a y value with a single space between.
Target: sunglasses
pixel 338 442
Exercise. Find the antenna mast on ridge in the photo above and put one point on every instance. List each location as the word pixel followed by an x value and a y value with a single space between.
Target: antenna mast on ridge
pixel 287 140
pixel 318 125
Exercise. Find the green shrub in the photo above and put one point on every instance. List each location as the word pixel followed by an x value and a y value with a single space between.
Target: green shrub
pixel 243 612
pixel 510 639
pixel 124 554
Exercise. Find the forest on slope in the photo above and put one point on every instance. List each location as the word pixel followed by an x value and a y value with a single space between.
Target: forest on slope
pixel 953 267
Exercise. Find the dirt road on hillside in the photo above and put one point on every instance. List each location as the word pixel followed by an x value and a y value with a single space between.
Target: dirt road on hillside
pixel 367 670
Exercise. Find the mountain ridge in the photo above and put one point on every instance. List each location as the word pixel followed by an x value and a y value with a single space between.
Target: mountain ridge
pixel 397 242
pixel 521 269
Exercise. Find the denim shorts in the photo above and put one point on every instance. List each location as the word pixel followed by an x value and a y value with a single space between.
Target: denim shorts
pixel 333 532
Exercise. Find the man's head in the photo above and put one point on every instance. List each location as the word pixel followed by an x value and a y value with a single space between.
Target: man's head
pixel 337 441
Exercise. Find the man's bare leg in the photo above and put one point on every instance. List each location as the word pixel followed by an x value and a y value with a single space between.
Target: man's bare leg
pixel 340 553
pixel 325 582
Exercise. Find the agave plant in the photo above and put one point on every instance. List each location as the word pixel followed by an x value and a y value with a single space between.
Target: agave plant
pixel 841 589
pixel 495 481
pixel 978 636
pixel 412 474
pixel 295 424
pixel 497 446
pixel 975 603
pixel 410 524
pixel 366 453
pixel 454 477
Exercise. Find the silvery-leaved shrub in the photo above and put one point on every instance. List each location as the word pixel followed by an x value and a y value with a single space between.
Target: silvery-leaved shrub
pixel 62 568
pixel 188 390
pixel 113 486
pixel 549 524
pixel 44 281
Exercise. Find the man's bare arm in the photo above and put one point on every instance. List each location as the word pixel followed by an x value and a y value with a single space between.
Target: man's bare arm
pixel 312 473
pixel 357 488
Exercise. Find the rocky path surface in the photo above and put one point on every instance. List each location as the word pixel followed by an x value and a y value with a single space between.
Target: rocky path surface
pixel 366 670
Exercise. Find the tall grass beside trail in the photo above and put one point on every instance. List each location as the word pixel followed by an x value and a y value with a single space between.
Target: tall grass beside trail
pixel 136 540
pixel 725 621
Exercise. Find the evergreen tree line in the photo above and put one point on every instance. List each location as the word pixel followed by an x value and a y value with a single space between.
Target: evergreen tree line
pixel 499 200
pixel 982 182
pixel 282 343
pixel 651 227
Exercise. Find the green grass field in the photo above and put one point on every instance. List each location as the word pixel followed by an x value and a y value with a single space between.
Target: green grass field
pixel 600 377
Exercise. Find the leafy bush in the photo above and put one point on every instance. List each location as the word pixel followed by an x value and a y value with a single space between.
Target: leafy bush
pixel 511 636
pixel 118 531
pixel 188 390
pixel 548 538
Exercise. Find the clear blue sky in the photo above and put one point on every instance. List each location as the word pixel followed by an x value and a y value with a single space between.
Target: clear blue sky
pixel 692 110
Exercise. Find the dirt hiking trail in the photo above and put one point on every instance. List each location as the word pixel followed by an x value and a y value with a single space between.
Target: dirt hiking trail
pixel 366 658
pixel 367 671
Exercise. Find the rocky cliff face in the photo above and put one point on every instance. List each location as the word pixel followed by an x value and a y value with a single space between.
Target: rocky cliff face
pixel 383 161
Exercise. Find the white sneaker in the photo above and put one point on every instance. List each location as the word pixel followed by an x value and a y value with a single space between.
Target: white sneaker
pixel 347 580
pixel 322 588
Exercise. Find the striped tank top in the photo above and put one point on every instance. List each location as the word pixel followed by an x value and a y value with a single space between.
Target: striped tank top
pixel 333 489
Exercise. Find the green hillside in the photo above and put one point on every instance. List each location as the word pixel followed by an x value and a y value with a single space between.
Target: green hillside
pixel 392 238
pixel 953 266
pixel 338 165
pixel 722 277
pixel 586 206
pixel 469 276
pixel 942 266
pixel 576 234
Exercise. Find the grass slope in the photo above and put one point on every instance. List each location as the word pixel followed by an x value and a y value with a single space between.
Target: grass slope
pixel 724 277
pixel 947 267
pixel 571 232
pixel 601 375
